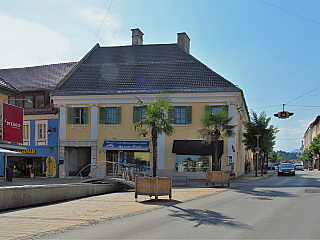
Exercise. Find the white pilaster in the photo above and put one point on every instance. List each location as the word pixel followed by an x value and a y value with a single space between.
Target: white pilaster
pixel 94 121
pixel 161 150
pixel 62 123
pixel 232 140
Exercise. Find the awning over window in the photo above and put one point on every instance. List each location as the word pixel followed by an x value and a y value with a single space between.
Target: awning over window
pixel 126 145
pixel 195 147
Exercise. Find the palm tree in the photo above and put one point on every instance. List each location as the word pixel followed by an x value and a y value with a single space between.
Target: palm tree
pixel 155 122
pixel 216 126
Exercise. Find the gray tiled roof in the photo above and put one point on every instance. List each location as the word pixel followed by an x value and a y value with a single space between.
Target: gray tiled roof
pixel 43 77
pixel 141 68
pixel 7 86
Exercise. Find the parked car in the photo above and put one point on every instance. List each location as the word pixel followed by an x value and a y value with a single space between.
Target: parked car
pixel 286 169
pixel 299 166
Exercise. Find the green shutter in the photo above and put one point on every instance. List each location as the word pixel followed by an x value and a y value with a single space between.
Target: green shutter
pixel 207 108
pixel 118 116
pixel 136 114
pixel 71 119
pixel 189 114
pixel 102 115
pixel 171 115
pixel 85 115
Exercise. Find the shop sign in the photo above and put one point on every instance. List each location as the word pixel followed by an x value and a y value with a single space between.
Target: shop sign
pixel 126 145
pixel 12 124
pixel 27 151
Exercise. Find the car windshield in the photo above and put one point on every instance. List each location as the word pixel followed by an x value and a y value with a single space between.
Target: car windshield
pixel 286 165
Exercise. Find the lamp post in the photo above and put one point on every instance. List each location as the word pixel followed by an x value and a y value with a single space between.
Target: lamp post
pixel 257 152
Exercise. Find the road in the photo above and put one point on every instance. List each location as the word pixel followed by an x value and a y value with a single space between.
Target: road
pixel 272 208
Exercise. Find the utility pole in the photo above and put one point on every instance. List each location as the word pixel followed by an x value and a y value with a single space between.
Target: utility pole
pixel 257 152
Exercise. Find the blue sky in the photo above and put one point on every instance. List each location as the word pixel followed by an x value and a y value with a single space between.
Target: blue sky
pixel 269 48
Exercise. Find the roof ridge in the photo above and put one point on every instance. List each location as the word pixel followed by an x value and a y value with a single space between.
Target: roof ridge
pixel 44 65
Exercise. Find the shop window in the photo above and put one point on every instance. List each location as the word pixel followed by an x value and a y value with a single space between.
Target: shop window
pixel 78 115
pixel 26 131
pixel 181 115
pixel 138 114
pixel 109 115
pixel 136 160
pixel 39 101
pixel 213 109
pixel 42 130
pixel 191 163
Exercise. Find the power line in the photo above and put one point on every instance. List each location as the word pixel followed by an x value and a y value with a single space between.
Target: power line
pixel 302 95
pixel 290 12
pixel 102 23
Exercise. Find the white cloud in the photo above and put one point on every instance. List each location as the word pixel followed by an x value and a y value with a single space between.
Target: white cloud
pixel 26 43
pixel 109 34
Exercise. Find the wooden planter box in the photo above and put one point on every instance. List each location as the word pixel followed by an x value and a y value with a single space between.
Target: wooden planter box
pixel 217 177
pixel 153 186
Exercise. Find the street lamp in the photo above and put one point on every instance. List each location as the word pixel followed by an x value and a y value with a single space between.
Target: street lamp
pixel 257 152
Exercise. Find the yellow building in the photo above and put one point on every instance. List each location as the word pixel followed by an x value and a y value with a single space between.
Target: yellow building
pixel 98 108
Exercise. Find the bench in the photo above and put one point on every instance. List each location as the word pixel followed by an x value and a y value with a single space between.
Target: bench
pixel 180 179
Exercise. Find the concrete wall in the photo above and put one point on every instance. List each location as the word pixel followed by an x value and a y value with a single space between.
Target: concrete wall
pixel 16 197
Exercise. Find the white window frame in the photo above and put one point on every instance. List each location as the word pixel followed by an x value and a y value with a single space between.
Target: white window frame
pixel 41 141
pixel 26 141
pixel 79 125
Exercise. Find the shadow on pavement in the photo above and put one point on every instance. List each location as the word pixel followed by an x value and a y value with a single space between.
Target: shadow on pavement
pixel 207 217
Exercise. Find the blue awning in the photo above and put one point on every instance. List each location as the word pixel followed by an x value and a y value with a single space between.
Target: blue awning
pixel 126 145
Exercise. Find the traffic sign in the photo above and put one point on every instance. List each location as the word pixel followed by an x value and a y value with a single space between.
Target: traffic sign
pixel 257 149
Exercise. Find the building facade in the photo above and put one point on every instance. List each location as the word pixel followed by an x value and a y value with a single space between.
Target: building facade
pixel 98 107
pixel 40 126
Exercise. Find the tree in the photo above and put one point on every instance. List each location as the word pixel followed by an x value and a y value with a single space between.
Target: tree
pixel 273 156
pixel 155 122
pixel 307 155
pixel 216 126
pixel 260 125
pixel 315 145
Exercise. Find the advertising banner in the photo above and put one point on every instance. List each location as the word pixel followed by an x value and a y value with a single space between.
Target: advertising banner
pixel 12 123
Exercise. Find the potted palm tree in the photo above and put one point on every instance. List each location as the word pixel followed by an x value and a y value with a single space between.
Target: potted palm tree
pixel 216 126
pixel 155 123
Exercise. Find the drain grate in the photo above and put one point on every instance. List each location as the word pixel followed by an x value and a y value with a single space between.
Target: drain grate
pixel 263 198
pixel 312 191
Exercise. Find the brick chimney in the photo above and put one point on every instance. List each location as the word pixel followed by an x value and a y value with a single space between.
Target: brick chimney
pixel 184 41
pixel 137 36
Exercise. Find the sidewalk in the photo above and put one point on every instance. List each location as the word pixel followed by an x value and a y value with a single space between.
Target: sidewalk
pixel 35 222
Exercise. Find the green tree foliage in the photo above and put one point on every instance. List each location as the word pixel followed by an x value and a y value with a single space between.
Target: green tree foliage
pixel 307 156
pixel 273 157
pixel 155 122
pixel 288 155
pixel 315 145
pixel 216 126
pixel 260 125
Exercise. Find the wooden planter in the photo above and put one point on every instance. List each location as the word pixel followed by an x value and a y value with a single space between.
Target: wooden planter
pixel 153 186
pixel 217 177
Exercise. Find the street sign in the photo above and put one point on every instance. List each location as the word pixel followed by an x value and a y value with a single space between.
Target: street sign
pixel 257 149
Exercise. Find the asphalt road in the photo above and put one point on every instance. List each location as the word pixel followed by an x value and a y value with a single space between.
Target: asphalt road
pixel 272 208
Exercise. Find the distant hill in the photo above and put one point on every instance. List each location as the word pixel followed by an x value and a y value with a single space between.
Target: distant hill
pixel 282 155
pixel 296 151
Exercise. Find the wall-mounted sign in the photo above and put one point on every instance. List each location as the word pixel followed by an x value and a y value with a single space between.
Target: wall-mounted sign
pixel 27 151
pixel 126 145
pixel 12 123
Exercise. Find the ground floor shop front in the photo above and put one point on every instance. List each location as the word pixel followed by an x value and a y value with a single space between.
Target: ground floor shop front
pixel 32 162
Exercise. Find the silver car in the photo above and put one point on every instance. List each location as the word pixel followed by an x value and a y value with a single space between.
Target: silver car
pixel 299 166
